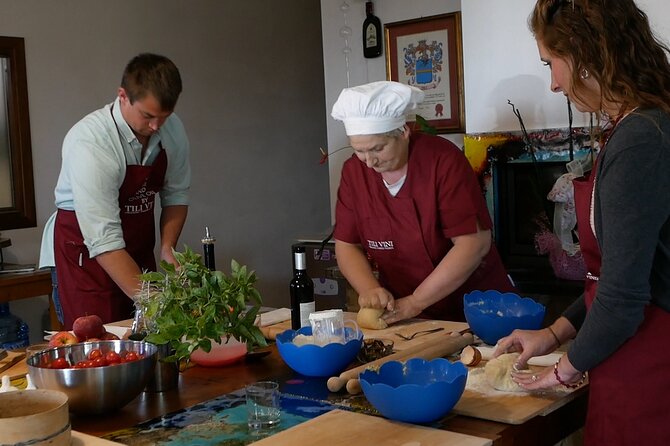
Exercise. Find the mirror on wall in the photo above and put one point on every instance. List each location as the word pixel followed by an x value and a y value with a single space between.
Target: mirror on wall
pixel 17 192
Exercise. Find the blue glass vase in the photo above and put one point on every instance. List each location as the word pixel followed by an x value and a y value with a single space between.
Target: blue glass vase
pixel 14 332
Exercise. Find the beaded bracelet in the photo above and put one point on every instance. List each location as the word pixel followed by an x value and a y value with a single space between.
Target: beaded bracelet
pixel 563 383
pixel 558 341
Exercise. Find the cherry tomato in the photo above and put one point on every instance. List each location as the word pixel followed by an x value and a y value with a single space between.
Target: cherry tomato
pixel 59 363
pixel 113 358
pixel 95 353
pixel 131 356
pixel 99 362
pixel 80 365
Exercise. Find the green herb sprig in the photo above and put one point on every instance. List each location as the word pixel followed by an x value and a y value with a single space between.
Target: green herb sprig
pixel 189 306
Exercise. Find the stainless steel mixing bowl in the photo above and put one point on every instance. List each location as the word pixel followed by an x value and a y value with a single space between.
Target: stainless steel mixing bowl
pixel 95 390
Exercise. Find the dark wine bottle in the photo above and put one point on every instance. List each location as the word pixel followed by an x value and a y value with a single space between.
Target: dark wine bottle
pixel 302 290
pixel 372 33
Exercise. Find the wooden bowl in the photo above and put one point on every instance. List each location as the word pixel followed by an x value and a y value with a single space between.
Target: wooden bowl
pixel 35 417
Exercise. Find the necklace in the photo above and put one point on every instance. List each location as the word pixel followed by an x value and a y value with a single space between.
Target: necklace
pixel 612 125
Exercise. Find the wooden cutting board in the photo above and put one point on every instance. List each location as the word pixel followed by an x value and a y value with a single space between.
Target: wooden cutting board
pixel 481 401
pixel 15 363
pixel 81 439
pixel 344 428
pixel 405 327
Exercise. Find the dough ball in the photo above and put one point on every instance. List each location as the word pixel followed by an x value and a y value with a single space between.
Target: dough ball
pixel 371 318
pixel 498 371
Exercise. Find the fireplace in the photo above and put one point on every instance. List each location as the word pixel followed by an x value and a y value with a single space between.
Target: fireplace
pixel 520 211
pixel 516 171
pixel 522 207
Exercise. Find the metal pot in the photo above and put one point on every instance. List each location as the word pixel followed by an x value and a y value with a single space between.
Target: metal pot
pixel 166 374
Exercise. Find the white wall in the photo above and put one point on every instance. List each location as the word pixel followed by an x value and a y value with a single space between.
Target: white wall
pixel 501 62
pixel 658 12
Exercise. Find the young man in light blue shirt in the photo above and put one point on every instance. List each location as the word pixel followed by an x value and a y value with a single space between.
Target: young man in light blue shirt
pixel 115 160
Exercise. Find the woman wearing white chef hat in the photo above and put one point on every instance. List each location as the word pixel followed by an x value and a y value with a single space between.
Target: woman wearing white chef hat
pixel 411 203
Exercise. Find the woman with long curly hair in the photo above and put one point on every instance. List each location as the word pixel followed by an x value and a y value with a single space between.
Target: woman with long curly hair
pixel 605 58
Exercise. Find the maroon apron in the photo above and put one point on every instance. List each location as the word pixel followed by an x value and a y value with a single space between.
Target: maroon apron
pixel 398 221
pixel 625 406
pixel 83 286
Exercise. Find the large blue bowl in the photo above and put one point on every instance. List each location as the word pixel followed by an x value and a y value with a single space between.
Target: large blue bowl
pixel 416 391
pixel 492 315
pixel 314 360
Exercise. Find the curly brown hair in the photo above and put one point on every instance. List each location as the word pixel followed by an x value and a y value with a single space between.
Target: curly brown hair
pixel 613 40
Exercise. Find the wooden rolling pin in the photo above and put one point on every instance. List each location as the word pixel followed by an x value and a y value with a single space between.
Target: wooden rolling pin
pixel 434 348
pixel 270 332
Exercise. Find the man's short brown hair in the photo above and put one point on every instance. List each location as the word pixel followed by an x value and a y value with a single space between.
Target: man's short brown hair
pixel 155 74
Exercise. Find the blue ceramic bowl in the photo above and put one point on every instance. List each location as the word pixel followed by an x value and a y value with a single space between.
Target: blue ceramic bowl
pixel 416 391
pixel 492 315
pixel 314 360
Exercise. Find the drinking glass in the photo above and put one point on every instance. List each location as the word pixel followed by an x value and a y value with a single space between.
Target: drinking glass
pixel 328 326
pixel 263 408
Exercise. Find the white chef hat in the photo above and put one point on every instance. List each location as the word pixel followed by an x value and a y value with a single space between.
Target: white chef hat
pixel 375 108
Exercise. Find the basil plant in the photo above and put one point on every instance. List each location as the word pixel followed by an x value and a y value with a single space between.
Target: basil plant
pixel 189 306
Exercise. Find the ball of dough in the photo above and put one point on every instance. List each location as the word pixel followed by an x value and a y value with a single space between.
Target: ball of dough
pixel 498 371
pixel 371 318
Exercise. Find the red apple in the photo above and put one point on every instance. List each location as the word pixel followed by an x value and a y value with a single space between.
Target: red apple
pixel 62 338
pixel 86 327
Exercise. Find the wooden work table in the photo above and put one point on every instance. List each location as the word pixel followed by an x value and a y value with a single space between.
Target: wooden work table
pixel 198 384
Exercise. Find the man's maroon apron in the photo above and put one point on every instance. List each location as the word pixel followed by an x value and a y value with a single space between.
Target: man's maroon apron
pixel 624 404
pixel 83 286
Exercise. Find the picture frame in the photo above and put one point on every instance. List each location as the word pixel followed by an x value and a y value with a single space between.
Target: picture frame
pixel 428 53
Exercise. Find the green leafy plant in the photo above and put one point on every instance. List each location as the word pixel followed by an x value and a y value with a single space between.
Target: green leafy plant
pixel 424 126
pixel 189 306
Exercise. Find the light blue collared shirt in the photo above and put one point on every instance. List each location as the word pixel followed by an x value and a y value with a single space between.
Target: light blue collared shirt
pixel 95 154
